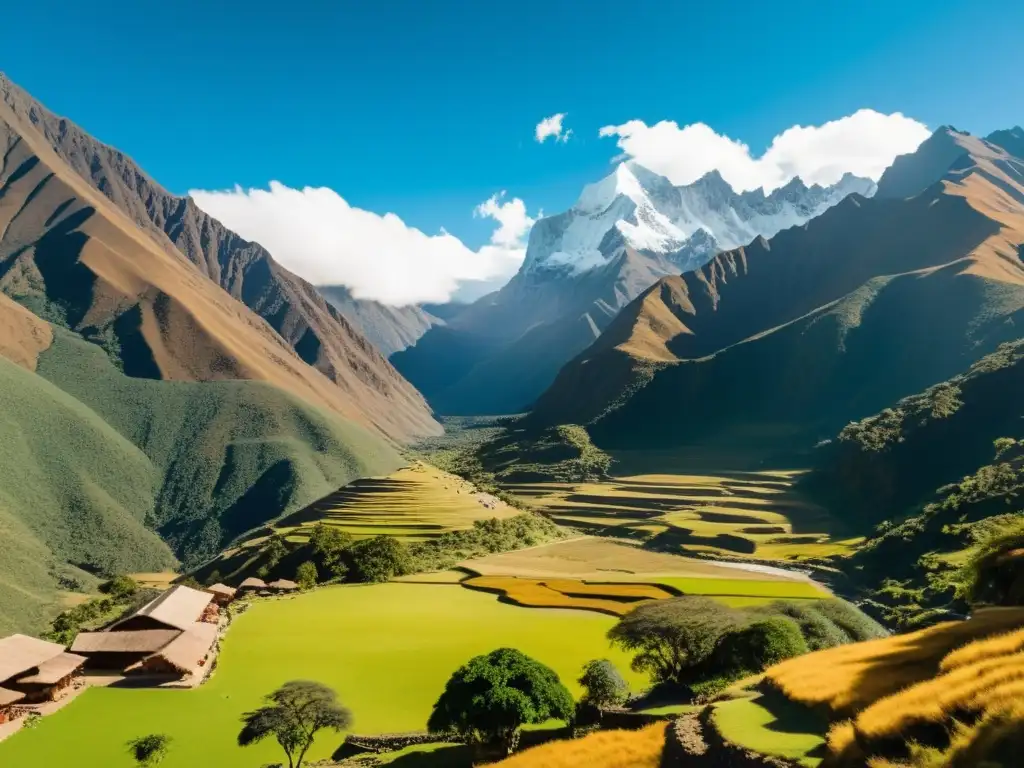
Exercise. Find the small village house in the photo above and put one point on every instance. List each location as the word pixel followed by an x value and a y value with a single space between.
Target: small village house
pixel 186 654
pixel 8 704
pixel 172 634
pixel 222 593
pixel 252 584
pixel 282 585
pixel 178 608
pixel 116 651
pixel 34 670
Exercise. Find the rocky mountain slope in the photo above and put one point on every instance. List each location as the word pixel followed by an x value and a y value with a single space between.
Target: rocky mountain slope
pixel 147 414
pixel 874 299
pixel 354 378
pixel 390 329
pixel 582 267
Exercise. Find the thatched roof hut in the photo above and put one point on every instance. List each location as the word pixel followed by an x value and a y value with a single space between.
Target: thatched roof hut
pixel 252 583
pixel 137 641
pixel 20 654
pixel 185 654
pixel 283 585
pixel 177 608
pixel 120 650
pixel 53 671
pixel 8 697
pixel 222 593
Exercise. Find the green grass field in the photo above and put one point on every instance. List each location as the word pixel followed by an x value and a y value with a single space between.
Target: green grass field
pixel 387 650
pixel 781 728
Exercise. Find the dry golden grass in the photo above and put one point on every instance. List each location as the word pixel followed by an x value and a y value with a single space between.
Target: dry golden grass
pixel 155 580
pixel 605 749
pixel 600 559
pixel 614 599
pixel 921 686
pixel 416 502
pixel 759 508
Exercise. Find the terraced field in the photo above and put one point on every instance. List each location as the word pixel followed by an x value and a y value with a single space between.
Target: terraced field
pixel 611 577
pixel 740 513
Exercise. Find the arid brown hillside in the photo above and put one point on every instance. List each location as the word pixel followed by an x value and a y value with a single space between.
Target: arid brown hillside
pixel 148 253
pixel 871 301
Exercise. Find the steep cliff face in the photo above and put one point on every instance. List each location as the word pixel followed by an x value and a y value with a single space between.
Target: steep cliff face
pixel 369 390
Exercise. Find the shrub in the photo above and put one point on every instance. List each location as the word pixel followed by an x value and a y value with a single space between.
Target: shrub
pixel 306 576
pixel 672 637
pixel 120 587
pixel 379 559
pixel 602 684
pixel 487 701
pixel 758 645
pixel 995 573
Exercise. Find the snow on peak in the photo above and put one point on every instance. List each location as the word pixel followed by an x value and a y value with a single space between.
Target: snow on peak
pixel 687 225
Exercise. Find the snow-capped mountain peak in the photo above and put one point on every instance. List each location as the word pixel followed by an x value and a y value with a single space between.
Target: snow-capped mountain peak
pixel 684 225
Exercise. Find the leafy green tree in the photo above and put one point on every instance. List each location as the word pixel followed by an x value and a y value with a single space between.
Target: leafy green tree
pixel 306 575
pixel 192 582
pixel 380 558
pixel 274 550
pixel 148 751
pixel 330 543
pixel 669 638
pixel 213 578
pixel 757 646
pixel 602 684
pixel 489 700
pixel 120 587
pixel 293 715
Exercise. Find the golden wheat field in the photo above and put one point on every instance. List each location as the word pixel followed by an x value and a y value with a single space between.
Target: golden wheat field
pixel 614 599
pixel 605 749
pixel 755 514
pixel 414 503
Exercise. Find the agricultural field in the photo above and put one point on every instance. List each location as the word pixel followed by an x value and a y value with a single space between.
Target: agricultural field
pixel 387 649
pixel 755 514
pixel 613 599
pixel 416 502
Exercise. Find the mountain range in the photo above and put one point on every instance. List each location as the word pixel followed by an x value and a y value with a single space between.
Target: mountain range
pixel 871 301
pixel 166 384
pixel 583 266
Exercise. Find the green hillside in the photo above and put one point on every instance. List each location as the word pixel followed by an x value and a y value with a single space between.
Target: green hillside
pixel 74 493
pixel 107 465
pixel 930 479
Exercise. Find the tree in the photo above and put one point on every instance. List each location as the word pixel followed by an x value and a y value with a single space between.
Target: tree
pixel 293 715
pixel 602 684
pixel 380 558
pixel 330 544
pixel 671 637
pixel 306 575
pixel 487 701
pixel 120 587
pixel 274 550
pixel 148 751
pixel 757 646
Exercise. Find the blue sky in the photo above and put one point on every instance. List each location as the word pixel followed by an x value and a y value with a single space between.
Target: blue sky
pixel 428 108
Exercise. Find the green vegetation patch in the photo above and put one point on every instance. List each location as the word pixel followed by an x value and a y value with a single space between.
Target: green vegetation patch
pixel 771 726
pixel 386 649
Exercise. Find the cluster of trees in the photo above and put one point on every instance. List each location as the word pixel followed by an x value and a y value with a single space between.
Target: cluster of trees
pixel 697 646
pixel 120 596
pixel 332 555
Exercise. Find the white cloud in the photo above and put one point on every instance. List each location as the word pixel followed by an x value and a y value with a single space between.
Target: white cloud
pixel 551 127
pixel 315 233
pixel 864 143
